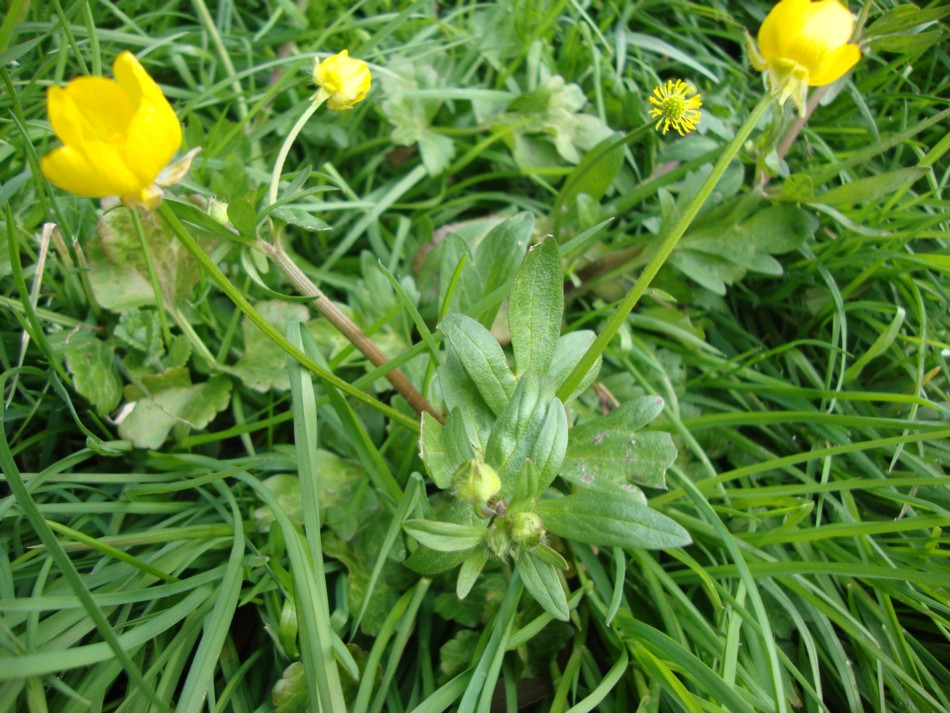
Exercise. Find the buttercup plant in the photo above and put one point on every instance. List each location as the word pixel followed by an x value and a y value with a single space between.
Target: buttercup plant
pixel 119 137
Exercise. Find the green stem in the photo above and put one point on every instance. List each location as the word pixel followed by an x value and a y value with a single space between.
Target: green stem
pixel 240 301
pixel 347 327
pixel 321 302
pixel 663 251
pixel 152 275
pixel 288 142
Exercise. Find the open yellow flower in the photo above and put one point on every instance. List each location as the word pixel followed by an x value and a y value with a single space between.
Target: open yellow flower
pixel 673 106
pixel 118 135
pixel 342 80
pixel 804 44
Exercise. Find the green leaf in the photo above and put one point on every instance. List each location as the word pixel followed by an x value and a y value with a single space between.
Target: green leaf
pixel 263 365
pixel 427 562
pixel 461 395
pixel 547 554
pixel 549 449
pixel 445 536
pixel 596 171
pixel 299 217
pixel 571 347
pixel 498 255
pixel 872 187
pixel 455 655
pixel 290 693
pixel 151 419
pixel 514 434
pixel 432 451
pixel 554 112
pixel 118 272
pixel 798 188
pixel 536 307
pixel 615 519
pixel 92 365
pixel 543 583
pixel 286 489
pixel 611 449
pixel 149 384
pixel 904 17
pixel 141 330
pixel 243 216
pixel 469 571
pixel 907 44
pixel 482 358
pixel 720 251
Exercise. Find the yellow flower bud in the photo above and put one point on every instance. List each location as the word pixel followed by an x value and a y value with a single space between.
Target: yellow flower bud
pixel 476 482
pixel 804 44
pixel 526 529
pixel 345 81
pixel 117 135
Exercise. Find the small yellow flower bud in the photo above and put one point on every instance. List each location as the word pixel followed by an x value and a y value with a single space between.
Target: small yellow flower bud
pixel 476 482
pixel 344 81
pixel 526 529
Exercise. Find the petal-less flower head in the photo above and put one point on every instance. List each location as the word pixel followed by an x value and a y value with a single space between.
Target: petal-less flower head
pixel 673 106
pixel 804 44
pixel 344 81
pixel 118 135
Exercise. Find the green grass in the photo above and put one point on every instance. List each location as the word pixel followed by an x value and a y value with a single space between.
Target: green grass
pixel 803 359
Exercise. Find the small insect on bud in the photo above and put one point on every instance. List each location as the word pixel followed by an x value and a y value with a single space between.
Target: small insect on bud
pixel 476 482
pixel 526 529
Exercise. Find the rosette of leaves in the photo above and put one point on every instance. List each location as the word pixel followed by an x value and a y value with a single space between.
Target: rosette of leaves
pixel 506 440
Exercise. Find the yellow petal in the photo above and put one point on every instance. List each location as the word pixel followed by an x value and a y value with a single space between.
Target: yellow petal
pixel 64 116
pixel 783 21
pixel 95 172
pixel 154 132
pixel 95 106
pixel 834 65
pixel 135 81
pixel 154 137
pixel 828 23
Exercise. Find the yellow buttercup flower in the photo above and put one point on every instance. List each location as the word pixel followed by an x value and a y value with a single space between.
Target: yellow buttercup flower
pixel 118 135
pixel 674 106
pixel 342 80
pixel 804 44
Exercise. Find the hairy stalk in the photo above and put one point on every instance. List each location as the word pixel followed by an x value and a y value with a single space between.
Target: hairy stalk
pixel 347 327
pixel 305 286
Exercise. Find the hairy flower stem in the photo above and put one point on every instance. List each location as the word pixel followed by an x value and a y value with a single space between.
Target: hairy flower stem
pixel 346 326
pixel 288 142
pixel 241 302
pixel 152 275
pixel 305 286
pixel 786 143
pixel 663 252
